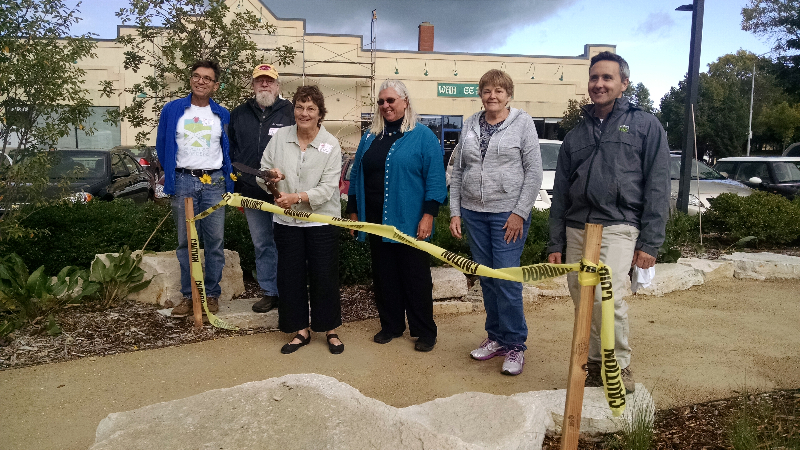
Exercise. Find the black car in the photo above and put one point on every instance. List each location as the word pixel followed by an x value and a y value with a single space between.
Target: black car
pixel 779 175
pixel 100 174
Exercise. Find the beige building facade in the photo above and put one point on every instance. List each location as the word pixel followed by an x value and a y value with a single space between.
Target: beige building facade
pixel 348 70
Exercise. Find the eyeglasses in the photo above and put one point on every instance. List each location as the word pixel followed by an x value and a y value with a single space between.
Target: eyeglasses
pixel 310 109
pixel 389 100
pixel 264 80
pixel 206 79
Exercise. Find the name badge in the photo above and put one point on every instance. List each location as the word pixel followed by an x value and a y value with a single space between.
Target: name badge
pixel 325 147
pixel 272 131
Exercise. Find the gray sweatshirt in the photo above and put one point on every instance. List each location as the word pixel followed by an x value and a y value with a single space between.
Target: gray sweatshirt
pixel 507 178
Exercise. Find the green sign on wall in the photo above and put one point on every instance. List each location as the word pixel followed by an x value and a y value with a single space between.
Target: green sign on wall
pixel 457 90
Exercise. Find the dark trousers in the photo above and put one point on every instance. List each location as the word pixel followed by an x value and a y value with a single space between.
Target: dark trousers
pixel 403 287
pixel 308 275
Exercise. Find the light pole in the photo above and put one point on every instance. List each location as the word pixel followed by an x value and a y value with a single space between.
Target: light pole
pixel 691 102
pixel 750 125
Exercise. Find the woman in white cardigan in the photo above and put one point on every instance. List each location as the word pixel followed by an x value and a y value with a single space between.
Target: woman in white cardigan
pixel 496 177
pixel 308 252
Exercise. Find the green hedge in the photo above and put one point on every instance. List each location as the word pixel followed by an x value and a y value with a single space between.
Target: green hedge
pixel 74 233
pixel 771 218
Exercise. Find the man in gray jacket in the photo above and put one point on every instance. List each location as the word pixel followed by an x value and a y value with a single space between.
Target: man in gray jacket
pixel 613 170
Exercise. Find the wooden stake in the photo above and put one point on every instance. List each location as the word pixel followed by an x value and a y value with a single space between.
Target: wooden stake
pixel 197 307
pixel 571 429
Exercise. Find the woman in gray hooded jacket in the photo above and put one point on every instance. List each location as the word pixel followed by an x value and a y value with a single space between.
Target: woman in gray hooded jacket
pixel 496 178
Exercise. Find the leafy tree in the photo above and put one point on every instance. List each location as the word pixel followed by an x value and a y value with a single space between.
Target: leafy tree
pixel 778 21
pixel 779 123
pixel 41 98
pixel 723 105
pixel 639 96
pixel 41 89
pixel 572 116
pixel 170 35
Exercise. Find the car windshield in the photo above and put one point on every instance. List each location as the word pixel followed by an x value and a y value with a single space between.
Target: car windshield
pixel 549 155
pixel 786 172
pixel 79 165
pixel 706 173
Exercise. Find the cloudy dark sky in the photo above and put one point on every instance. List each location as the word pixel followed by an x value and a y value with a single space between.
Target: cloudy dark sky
pixel 460 25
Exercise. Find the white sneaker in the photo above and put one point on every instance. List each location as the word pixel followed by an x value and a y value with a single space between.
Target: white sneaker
pixel 513 363
pixel 488 350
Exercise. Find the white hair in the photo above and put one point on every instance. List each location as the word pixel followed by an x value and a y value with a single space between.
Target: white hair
pixel 410 118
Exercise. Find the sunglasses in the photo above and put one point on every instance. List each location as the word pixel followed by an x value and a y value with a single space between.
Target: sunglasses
pixel 389 100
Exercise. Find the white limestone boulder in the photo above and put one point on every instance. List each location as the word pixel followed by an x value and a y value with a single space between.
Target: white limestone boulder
pixel 448 282
pixel 763 266
pixel 672 277
pixel 301 411
pixel 711 269
pixel 317 411
pixel 165 289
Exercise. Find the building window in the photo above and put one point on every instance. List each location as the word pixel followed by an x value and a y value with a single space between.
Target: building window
pixel 105 137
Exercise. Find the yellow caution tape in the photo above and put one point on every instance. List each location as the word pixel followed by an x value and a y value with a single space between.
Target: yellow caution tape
pixel 197 269
pixel 589 274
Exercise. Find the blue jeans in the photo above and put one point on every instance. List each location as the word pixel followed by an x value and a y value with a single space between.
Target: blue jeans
pixel 260 224
pixel 210 230
pixel 505 317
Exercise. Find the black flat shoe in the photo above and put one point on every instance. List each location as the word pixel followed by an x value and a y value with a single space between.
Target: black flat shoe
pixel 266 304
pixel 335 349
pixel 384 337
pixel 424 346
pixel 291 348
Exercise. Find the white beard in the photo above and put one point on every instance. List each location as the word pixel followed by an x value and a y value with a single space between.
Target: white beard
pixel 265 99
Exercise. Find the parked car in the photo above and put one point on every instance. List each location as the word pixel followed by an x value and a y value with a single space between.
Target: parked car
pixel 101 174
pixel 549 150
pixel 146 157
pixel 792 150
pixel 710 184
pixel 779 175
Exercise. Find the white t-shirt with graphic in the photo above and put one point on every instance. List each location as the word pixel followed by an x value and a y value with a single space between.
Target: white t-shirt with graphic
pixel 198 136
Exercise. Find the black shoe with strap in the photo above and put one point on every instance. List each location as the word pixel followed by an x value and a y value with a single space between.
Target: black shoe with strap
pixel 335 349
pixel 291 348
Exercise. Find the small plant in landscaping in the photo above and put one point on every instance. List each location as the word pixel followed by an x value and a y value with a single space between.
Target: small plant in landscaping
pixel 30 298
pixel 757 423
pixel 638 433
pixel 120 277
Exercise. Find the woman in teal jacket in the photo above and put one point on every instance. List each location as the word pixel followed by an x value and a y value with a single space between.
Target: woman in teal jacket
pixel 398 179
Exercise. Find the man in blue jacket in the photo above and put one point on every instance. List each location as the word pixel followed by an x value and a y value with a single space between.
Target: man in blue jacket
pixel 612 170
pixel 192 146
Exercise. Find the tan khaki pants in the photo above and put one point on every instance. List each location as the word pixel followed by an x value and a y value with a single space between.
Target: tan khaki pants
pixel 616 251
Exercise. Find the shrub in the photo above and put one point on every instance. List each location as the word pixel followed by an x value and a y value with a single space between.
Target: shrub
pixel 771 218
pixel 535 250
pixel 355 266
pixel 74 233
pixel 444 239
pixel 237 238
pixel 682 230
